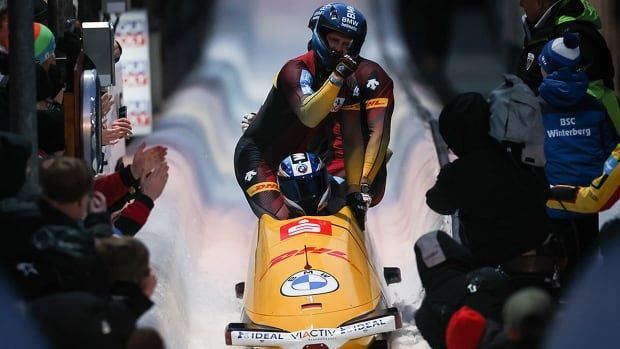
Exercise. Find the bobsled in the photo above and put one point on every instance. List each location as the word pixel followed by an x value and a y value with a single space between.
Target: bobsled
pixel 311 284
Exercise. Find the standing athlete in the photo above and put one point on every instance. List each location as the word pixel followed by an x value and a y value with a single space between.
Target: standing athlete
pixel 292 119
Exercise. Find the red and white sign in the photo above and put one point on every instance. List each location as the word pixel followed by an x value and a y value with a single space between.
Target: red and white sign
pixel 305 225
pixel 133 35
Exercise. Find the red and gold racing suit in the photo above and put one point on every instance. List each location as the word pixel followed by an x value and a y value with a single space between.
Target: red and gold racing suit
pixel 292 119
pixel 365 127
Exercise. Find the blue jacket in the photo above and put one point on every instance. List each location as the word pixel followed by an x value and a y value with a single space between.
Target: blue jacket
pixel 579 135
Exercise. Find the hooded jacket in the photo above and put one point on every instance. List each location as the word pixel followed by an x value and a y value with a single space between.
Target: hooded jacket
pixel 578 132
pixel 581 17
pixel 501 205
pixel 575 16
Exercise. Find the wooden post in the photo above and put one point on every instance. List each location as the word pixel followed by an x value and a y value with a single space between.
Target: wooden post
pixel 73 109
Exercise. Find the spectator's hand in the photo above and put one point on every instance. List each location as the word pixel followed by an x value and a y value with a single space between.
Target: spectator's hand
pixel 153 183
pixel 247 120
pixel 359 203
pixel 346 66
pixel 119 129
pixel 107 100
pixel 144 161
pixel 98 203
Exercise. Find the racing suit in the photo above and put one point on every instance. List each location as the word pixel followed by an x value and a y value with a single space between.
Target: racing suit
pixel 365 127
pixel 291 120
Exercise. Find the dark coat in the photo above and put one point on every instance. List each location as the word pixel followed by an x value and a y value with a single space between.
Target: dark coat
pixel 82 320
pixel 46 252
pixel 501 204
pixel 577 17
pixel 450 280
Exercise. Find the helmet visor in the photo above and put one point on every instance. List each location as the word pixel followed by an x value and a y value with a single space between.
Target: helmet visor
pixel 306 191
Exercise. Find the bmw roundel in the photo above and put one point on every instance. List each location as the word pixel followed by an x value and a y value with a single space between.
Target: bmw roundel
pixel 308 283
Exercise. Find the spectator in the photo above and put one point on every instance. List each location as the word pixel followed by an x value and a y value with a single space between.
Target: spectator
pixel 578 138
pixel 527 314
pixel 501 205
pixel 545 20
pixel 78 320
pixel 54 251
pixel 590 316
pixel 50 116
pixel 118 129
pixel 451 279
pixel 128 269
pixel 143 181
pixel 465 329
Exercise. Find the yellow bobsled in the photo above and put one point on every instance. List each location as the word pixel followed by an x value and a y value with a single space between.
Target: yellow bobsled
pixel 312 284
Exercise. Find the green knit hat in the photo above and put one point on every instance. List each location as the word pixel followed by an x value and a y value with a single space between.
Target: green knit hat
pixel 44 43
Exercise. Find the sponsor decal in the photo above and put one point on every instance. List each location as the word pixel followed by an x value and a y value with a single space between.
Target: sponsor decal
pixel 305 81
pixel 309 283
pixel 376 103
pixel 356 91
pixel 363 326
pixel 569 133
pixel 336 336
pixel 261 187
pixel 305 225
pixel 311 250
pixel 139 112
pixel 302 168
pixel 372 84
pixel 132 32
pixel 338 103
pixel 27 269
pixel 261 336
pixel 249 175
pixel 610 165
pixel 136 73
pixel 355 106
pixel 530 60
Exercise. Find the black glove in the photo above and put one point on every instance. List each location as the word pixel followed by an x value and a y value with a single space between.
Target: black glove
pixel 563 193
pixel 345 66
pixel 358 202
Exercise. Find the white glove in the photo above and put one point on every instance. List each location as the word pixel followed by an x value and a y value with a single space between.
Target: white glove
pixel 247 120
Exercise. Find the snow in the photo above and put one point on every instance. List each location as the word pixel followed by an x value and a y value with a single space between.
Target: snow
pixel 201 230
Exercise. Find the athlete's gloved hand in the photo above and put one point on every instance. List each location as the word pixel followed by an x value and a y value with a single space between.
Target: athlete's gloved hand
pixel 247 120
pixel 359 203
pixel 345 66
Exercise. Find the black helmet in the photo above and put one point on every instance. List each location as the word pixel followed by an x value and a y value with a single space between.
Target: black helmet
pixel 304 183
pixel 341 18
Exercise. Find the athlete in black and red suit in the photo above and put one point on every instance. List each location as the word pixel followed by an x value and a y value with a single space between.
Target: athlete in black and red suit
pixel 292 118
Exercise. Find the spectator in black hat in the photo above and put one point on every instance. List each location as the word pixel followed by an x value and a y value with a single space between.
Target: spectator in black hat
pixel 501 206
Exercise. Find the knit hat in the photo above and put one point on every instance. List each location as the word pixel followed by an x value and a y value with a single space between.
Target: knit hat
pixel 44 43
pixel 528 303
pixel 560 53
pixel 465 329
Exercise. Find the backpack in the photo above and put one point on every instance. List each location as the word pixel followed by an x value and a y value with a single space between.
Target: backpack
pixel 516 118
